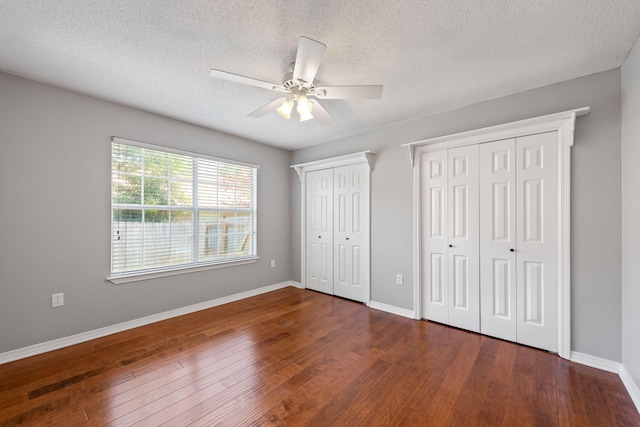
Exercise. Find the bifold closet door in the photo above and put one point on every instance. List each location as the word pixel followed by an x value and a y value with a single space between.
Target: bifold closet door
pixel 435 295
pixel 464 238
pixel 319 266
pixel 518 240
pixel 498 239
pixel 451 237
pixel 351 201
pixel 537 240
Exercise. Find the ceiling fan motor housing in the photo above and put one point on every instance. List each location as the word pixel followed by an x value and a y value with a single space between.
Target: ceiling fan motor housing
pixel 296 86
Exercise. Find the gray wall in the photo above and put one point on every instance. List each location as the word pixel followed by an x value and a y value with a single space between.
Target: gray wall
pixel 596 198
pixel 55 210
pixel 631 214
pixel 55 147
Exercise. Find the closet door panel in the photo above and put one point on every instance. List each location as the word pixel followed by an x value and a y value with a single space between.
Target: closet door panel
pixel 463 237
pixel 435 298
pixel 460 282
pixel 497 239
pixel 342 231
pixel 358 239
pixel 320 230
pixel 537 245
pixel 351 196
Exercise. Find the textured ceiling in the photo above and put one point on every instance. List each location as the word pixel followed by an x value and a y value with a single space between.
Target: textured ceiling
pixel 431 56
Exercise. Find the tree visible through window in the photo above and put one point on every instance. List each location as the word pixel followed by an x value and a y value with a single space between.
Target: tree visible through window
pixel 173 209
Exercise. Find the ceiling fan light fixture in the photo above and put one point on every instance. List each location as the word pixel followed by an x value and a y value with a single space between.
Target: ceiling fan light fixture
pixel 306 116
pixel 304 108
pixel 285 109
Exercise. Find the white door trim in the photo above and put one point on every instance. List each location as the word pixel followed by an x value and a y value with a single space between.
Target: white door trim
pixel 302 169
pixel 564 124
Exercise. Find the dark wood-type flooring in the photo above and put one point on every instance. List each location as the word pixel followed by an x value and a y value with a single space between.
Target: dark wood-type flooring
pixel 297 357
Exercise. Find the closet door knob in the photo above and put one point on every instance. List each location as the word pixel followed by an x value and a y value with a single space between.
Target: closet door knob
pixel 512 250
pixel 450 246
pixel 319 237
pixel 347 238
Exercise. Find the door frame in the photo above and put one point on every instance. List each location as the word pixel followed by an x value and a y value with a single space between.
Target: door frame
pixel 564 124
pixel 301 169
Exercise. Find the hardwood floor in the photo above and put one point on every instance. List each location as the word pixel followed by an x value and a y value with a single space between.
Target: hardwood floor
pixel 297 357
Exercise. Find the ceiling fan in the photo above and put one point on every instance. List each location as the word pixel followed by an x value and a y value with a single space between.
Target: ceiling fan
pixel 298 85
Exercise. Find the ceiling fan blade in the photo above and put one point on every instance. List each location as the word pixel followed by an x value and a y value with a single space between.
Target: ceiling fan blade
pixel 272 106
pixel 349 92
pixel 308 59
pixel 219 74
pixel 320 114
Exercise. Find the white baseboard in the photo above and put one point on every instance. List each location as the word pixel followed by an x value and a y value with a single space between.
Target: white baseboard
pixel 595 362
pixel 610 366
pixel 631 386
pixel 296 284
pixel 392 309
pixel 44 347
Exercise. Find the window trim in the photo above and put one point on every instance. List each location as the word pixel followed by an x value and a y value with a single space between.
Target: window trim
pixel 138 275
pixel 118 140
pixel 173 271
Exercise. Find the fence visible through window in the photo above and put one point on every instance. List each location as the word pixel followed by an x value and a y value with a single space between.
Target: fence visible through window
pixel 173 209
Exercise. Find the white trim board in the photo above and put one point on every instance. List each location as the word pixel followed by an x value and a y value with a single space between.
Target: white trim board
pixel 349 159
pixel 497 132
pixel 631 386
pixel 296 284
pixel 146 275
pixel 613 367
pixel 140 144
pixel 392 309
pixel 56 344
pixel 595 362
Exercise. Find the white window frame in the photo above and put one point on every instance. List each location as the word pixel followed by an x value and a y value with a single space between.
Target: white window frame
pixel 194 266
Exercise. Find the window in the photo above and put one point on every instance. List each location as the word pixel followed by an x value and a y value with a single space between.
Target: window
pixel 174 209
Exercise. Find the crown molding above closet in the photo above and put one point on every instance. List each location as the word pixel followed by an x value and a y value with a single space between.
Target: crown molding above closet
pixel 494 133
pixel 332 162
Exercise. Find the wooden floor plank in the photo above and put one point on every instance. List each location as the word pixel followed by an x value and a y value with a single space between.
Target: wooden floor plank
pixel 297 357
pixel 299 407
pixel 474 389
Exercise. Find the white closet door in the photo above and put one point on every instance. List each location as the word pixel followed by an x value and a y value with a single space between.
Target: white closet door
pixel 498 239
pixel 351 201
pixel 320 230
pixel 342 211
pixel 463 238
pixel 537 241
pixel 435 303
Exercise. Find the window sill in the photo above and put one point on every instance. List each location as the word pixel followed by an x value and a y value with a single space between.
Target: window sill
pixel 136 277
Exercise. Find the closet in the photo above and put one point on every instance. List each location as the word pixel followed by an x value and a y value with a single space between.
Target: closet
pixel 491 236
pixel 335 225
pixel 492 230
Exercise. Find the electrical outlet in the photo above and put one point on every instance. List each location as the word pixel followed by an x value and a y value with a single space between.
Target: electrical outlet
pixel 57 300
pixel 399 279
pixel 273 263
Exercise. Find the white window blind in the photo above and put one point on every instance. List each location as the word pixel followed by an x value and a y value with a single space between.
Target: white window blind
pixel 173 209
